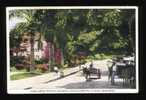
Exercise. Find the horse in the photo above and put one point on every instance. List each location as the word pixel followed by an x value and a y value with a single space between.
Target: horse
pixel 86 71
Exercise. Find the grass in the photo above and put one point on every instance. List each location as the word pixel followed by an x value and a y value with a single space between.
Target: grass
pixel 23 75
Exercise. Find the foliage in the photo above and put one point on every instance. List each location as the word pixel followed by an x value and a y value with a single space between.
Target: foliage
pixel 94 31
pixel 40 61
pixel 86 41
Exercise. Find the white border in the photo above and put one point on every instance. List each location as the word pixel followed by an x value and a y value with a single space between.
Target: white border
pixel 74 7
pixel 52 91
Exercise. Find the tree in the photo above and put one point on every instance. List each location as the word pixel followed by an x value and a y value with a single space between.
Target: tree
pixel 128 28
pixel 72 30
pixel 28 25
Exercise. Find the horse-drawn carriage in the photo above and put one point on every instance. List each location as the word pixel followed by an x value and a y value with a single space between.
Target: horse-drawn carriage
pixel 91 72
pixel 123 68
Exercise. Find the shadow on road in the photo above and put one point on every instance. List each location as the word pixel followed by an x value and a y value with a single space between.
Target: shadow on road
pixel 55 79
pixel 94 85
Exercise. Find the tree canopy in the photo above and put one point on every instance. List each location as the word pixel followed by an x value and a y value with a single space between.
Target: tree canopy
pixel 73 30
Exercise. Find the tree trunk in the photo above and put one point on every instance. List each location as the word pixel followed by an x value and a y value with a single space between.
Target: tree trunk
pixel 131 32
pixel 62 58
pixel 49 56
pixel 32 65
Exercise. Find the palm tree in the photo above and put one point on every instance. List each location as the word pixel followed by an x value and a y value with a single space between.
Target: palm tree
pixel 48 23
pixel 28 25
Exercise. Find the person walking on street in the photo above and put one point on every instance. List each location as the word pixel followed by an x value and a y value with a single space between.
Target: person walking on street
pixel 113 73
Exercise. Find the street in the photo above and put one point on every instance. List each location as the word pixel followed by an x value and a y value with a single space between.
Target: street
pixel 78 81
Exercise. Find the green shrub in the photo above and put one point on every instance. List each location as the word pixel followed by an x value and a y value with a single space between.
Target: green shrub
pixel 97 56
pixel 65 65
pixel 102 56
pixel 41 61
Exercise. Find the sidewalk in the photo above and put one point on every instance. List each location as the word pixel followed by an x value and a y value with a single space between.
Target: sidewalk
pixel 45 78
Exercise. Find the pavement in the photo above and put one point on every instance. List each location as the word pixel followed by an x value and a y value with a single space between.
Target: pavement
pixel 78 81
pixel 73 81
pixel 23 84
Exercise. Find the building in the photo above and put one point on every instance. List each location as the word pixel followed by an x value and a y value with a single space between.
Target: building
pixel 42 49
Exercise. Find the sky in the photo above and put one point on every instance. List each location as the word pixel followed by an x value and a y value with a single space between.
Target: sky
pixel 14 21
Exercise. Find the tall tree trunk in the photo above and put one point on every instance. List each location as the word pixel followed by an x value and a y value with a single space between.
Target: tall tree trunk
pixel 62 58
pixel 131 32
pixel 49 45
pixel 32 65
pixel 52 56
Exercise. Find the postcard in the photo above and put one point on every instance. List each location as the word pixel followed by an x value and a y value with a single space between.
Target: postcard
pixel 72 49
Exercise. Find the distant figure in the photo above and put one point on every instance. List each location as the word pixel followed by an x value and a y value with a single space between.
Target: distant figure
pixel 113 73
pixel 88 70
pixel 84 69
pixel 91 66
pixel 56 70
pixel 109 73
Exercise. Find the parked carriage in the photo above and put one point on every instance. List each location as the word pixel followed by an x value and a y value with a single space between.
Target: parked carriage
pixel 125 69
